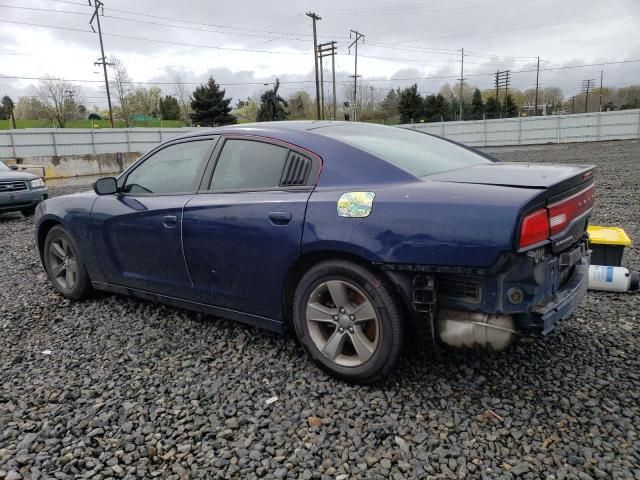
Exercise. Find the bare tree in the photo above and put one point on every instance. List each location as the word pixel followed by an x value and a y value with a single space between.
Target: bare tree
pixel 120 83
pixel 184 98
pixel 60 99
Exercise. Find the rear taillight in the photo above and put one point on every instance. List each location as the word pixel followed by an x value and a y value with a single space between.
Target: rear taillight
pixel 535 228
pixel 538 226
pixel 562 213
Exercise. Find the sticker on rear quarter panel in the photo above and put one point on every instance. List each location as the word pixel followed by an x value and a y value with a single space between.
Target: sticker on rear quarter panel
pixel 355 204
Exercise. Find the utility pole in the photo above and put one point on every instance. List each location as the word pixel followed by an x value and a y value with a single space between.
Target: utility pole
pixel 535 112
pixel 601 75
pixel 321 83
pixel 102 60
pixel 506 93
pixel 502 80
pixel 333 80
pixel 324 50
pixel 461 81
pixel 355 73
pixel 587 85
pixel 315 18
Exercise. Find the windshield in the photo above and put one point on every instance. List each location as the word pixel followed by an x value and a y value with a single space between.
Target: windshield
pixel 3 167
pixel 417 153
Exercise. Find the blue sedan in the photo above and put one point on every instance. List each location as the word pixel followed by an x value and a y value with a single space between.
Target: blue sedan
pixel 353 236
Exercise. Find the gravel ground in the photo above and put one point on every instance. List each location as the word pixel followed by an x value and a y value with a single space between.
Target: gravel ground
pixel 115 387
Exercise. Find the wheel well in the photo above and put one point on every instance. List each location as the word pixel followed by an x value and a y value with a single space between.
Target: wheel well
pixel 43 230
pixel 308 260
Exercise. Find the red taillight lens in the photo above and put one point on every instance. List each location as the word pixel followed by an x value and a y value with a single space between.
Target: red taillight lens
pixel 562 213
pixel 535 228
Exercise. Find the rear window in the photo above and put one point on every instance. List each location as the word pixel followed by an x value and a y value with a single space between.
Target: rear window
pixel 415 152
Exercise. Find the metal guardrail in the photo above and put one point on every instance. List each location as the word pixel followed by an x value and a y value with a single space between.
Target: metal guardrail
pixel 50 142
pixel 584 127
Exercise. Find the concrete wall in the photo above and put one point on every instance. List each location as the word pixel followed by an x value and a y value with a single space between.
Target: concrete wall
pixel 77 165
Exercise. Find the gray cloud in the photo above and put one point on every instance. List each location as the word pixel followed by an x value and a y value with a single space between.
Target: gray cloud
pixel 412 40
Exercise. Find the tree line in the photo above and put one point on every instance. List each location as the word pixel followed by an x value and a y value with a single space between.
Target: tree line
pixel 59 101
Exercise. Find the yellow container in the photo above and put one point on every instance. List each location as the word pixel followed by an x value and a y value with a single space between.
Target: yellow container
pixel 607 245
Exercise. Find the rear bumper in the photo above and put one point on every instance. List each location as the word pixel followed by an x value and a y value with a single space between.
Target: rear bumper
pixel 14 201
pixel 565 302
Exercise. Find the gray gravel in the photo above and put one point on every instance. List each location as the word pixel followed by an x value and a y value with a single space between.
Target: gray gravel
pixel 115 387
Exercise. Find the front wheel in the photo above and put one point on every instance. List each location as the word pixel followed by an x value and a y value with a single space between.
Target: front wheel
pixel 64 265
pixel 349 321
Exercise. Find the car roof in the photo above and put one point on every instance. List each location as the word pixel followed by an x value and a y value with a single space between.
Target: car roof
pixel 279 126
pixel 343 164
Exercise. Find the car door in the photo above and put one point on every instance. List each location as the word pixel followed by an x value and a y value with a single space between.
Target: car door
pixel 243 229
pixel 136 232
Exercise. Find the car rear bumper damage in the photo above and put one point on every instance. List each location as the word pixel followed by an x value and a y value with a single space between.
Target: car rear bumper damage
pixel 520 297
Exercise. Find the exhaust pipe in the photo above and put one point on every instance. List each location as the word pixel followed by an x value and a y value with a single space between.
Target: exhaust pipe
pixel 475 330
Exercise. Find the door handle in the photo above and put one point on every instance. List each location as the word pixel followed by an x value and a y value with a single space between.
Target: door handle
pixel 280 218
pixel 170 221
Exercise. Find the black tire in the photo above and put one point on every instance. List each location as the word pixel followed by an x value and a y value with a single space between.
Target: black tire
pixel 81 286
pixel 389 321
pixel 29 211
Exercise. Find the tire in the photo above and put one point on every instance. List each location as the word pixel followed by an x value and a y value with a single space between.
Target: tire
pixel 64 265
pixel 29 211
pixel 363 345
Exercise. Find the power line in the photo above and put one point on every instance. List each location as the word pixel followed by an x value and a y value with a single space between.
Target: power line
pixel 168 42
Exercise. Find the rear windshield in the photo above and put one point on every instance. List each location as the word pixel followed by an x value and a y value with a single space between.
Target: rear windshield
pixel 410 150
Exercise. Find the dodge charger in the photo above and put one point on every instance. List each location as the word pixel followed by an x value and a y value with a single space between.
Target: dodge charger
pixel 356 237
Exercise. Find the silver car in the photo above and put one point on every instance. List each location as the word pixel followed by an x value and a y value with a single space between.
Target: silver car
pixel 20 191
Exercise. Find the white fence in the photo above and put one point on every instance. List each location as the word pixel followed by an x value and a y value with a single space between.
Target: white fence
pixel 48 142
pixel 583 127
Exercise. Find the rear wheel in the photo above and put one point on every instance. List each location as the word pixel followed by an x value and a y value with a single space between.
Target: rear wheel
pixel 64 266
pixel 349 321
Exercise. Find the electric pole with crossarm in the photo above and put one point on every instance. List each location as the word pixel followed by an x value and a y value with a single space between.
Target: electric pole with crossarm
pixel 315 17
pixel 102 60
pixel 355 73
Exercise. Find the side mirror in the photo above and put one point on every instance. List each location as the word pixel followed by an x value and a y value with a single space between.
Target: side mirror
pixel 106 186
pixel 13 166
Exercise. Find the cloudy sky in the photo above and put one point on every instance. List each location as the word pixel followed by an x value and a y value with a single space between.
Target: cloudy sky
pixel 247 43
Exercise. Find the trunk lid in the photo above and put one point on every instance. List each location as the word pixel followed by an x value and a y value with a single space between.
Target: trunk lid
pixel 552 178
pixel 557 185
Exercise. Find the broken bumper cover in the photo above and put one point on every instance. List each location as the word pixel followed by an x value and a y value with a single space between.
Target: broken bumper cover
pixel 565 302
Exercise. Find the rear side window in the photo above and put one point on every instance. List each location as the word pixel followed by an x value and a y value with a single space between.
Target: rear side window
pixel 248 165
pixel 173 169
pixel 415 152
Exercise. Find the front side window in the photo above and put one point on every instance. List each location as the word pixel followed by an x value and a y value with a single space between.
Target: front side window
pixel 171 170
pixel 248 165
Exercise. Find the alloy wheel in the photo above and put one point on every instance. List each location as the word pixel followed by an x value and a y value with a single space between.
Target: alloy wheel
pixel 63 264
pixel 343 323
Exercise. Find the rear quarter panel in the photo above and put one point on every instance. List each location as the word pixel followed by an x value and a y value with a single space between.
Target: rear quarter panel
pixel 421 222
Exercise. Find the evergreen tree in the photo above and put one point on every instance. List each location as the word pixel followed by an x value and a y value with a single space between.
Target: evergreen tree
pixel 411 105
pixel 511 107
pixel 389 105
pixel 436 108
pixel 209 106
pixel 492 108
pixel 169 108
pixel 477 107
pixel 272 106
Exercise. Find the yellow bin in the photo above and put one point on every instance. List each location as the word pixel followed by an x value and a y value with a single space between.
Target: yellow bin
pixel 607 245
